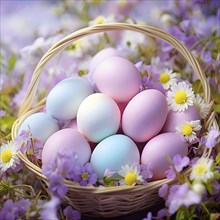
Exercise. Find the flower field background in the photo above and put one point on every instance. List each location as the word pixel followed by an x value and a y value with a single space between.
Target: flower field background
pixel 30 28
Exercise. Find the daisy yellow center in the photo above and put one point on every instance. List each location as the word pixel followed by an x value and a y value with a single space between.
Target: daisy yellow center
pixel 130 178
pixel 164 78
pixel 180 97
pixel 84 175
pixel 6 156
pixel 200 169
pixel 78 44
pixel 100 20
pixel 187 130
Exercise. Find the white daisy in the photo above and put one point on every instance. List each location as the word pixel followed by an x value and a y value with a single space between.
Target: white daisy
pixel 188 129
pixel 131 175
pixel 167 78
pixel 203 107
pixel 201 170
pixel 8 155
pixel 180 97
pixel 102 20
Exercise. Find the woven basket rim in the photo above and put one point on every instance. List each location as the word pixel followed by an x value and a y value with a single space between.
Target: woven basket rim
pixel 27 107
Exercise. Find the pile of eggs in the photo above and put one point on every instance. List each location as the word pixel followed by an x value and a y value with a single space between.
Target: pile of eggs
pixel 107 121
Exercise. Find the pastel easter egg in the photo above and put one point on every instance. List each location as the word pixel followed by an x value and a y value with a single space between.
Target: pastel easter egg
pixel 113 152
pixel 174 118
pixel 145 115
pixel 101 56
pixel 64 99
pixel 71 124
pixel 41 126
pixel 117 78
pixel 98 117
pixel 66 141
pixel 159 148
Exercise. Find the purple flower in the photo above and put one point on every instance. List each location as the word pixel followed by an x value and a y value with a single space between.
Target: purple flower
pixel 62 165
pixel 71 214
pixel 170 173
pixel 27 142
pixel 84 175
pixel 22 206
pixel 163 191
pixel 162 213
pixel 149 216
pixel 50 209
pixel 181 195
pixel 2 113
pixel 7 212
pixel 146 171
pixel 206 56
pixel 178 163
pixel 57 186
pixel 212 138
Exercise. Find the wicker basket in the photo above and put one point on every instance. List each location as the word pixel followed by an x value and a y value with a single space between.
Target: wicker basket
pixel 107 201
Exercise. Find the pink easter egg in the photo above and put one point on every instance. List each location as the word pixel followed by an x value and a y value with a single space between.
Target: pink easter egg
pixel 66 141
pixel 71 124
pixel 174 118
pixel 101 56
pixel 159 148
pixel 145 115
pixel 118 78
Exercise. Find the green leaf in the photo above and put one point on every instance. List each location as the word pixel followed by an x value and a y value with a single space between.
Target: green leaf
pixel 217 159
pixel 6 123
pixel 217 175
pixel 217 108
pixel 11 62
pixel 217 98
pixel 197 86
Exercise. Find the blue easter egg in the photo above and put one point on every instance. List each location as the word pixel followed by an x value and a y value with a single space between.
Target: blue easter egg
pixel 41 125
pixel 113 152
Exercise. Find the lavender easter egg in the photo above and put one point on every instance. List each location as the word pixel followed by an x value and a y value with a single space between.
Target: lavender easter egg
pixel 174 118
pixel 159 148
pixel 145 115
pixel 117 78
pixel 66 141
pixel 41 126
pixel 101 56
pixel 98 117
pixel 64 99
pixel 113 152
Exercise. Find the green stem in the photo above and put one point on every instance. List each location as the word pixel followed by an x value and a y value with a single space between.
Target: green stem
pixel 26 195
pixel 23 185
pixel 202 40
pixel 205 208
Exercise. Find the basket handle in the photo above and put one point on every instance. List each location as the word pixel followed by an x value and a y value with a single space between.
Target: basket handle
pixel 147 30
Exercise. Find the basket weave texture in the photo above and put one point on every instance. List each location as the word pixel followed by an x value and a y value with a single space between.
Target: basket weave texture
pixel 118 200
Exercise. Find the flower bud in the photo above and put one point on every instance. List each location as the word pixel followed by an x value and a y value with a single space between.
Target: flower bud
pixel 198 188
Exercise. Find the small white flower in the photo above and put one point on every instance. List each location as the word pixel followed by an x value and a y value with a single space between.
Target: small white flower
pixel 188 129
pixel 8 156
pixel 131 175
pixel 167 78
pixel 203 107
pixel 180 97
pixel 201 170
pixel 102 20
